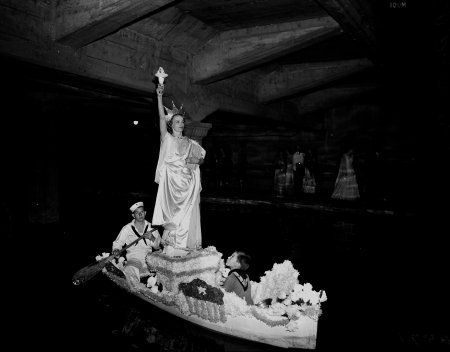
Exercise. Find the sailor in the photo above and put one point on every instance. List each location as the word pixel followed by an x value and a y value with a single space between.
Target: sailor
pixel 238 280
pixel 135 266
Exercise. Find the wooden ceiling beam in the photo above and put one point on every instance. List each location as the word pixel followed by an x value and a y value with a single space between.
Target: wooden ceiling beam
pixel 294 79
pixel 236 51
pixel 330 97
pixel 356 19
pixel 80 22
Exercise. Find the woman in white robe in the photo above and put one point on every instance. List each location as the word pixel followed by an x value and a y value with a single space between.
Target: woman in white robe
pixel 177 206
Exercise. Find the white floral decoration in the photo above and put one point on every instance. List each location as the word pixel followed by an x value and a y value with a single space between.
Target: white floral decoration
pixel 276 283
pixel 306 294
pixel 235 306
pixel 102 256
pixel 152 284
pixel 151 281
pixel 293 311
pixel 288 298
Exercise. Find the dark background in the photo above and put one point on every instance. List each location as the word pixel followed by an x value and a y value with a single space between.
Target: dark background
pixel 73 162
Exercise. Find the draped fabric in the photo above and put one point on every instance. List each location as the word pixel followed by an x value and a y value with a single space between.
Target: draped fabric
pixel 346 185
pixel 177 206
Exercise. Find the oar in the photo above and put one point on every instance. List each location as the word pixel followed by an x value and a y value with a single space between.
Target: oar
pixel 88 272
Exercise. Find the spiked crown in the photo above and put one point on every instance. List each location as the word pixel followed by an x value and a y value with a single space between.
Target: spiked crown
pixel 174 111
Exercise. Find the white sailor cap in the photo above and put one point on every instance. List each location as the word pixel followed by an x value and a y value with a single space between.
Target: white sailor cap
pixel 136 205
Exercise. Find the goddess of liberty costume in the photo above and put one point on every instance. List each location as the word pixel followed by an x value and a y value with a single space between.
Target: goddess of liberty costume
pixel 177 206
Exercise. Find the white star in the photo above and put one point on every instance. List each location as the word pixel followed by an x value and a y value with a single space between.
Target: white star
pixel 202 290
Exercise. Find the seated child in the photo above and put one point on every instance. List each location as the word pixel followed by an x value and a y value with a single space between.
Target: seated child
pixel 238 280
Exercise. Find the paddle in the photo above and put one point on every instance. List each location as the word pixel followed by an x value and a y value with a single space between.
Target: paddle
pixel 88 272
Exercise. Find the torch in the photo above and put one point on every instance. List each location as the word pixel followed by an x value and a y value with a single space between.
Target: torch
pixel 161 75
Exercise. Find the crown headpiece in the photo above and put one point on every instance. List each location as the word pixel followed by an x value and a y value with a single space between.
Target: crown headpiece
pixel 174 111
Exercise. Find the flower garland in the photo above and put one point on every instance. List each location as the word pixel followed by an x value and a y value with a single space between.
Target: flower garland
pixel 204 252
pixel 259 314
pixel 163 297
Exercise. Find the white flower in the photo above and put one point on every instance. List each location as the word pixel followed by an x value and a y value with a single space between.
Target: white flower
pixel 292 310
pixel 314 298
pixel 287 302
pixel 309 295
pixel 225 272
pixel 201 290
pixel 151 282
pixel 323 297
pixel 298 287
pixel 282 295
pixel 295 296
pixel 102 256
pixel 307 287
pixel 235 305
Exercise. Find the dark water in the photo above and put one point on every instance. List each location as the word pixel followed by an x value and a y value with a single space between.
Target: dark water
pixel 374 268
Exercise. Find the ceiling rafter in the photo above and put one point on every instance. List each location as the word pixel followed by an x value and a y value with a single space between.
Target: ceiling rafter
pixel 81 22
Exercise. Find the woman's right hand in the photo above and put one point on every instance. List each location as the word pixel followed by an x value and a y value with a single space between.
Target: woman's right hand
pixel 160 90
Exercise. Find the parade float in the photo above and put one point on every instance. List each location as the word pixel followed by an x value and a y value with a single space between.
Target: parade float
pixel 285 314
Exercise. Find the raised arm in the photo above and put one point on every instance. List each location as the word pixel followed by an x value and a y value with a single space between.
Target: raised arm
pixel 162 118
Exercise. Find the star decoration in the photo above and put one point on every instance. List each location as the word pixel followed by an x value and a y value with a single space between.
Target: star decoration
pixel 202 290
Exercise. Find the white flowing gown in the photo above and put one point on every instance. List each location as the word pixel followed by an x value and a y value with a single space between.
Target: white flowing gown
pixel 177 206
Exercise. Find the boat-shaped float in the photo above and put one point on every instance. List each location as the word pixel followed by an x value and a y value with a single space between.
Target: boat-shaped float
pixel 286 312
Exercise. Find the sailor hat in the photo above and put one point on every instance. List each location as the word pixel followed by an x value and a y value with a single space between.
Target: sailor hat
pixel 136 205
